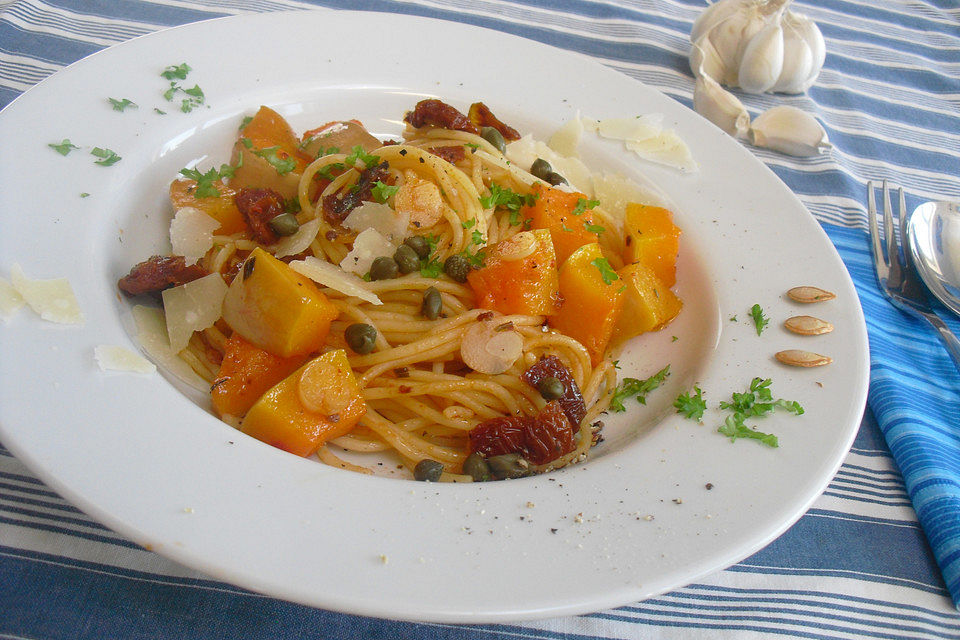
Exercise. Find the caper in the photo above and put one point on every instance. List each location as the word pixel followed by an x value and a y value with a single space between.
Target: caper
pixel 406 258
pixel 285 224
pixel 428 470
pixel 551 388
pixel 476 467
pixel 555 178
pixel 384 268
pixel 420 245
pixel 495 138
pixel 457 267
pixel 508 465
pixel 541 169
pixel 432 304
pixel 361 338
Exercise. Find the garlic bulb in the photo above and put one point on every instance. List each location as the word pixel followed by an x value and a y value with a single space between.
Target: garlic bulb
pixel 720 107
pixel 758 45
pixel 789 130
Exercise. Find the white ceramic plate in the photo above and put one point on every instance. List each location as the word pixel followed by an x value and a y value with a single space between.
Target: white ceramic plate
pixel 636 520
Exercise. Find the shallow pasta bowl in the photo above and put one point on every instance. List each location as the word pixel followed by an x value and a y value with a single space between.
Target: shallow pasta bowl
pixel 148 460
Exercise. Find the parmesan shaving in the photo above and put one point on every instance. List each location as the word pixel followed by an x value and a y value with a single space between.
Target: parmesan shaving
pixel 524 151
pixel 367 247
pixel 193 306
pixel 53 300
pixel 329 275
pixel 646 137
pixel 10 300
pixel 152 336
pixel 390 224
pixel 114 358
pixel 566 139
pixel 191 233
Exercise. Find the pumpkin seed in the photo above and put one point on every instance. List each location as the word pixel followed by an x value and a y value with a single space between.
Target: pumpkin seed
pixel 808 325
pixel 810 294
pixel 800 358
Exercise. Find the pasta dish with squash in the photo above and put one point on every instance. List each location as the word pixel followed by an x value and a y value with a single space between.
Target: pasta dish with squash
pixel 426 296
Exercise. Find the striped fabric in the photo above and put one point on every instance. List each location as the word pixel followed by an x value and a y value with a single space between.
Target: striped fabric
pixel 859 564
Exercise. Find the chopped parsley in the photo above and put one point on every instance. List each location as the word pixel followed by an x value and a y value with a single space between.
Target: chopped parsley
pixel 734 428
pixel 243 123
pixel 120 105
pixel 583 205
pixel 505 198
pixel 195 96
pixel 760 321
pixel 467 224
pixel 757 402
pixel 593 228
pixel 381 192
pixel 64 147
pixel 205 187
pixel 176 72
pixel 283 165
pixel 357 153
pixel 327 172
pixel 691 406
pixel 606 272
pixel 631 387
pixel 108 157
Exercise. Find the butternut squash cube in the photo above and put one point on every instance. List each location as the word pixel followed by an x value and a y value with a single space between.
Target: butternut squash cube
pixel 268 155
pixel 519 276
pixel 592 299
pixel 246 372
pixel 564 215
pixel 319 401
pixel 648 303
pixel 652 239
pixel 276 308
pixel 221 208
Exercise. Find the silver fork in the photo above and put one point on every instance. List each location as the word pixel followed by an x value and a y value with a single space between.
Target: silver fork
pixel 896 273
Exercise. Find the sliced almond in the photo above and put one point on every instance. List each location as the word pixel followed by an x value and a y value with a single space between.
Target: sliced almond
pixel 810 294
pixel 807 325
pixel 800 358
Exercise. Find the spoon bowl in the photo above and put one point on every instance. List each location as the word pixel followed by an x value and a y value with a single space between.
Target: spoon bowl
pixel 933 233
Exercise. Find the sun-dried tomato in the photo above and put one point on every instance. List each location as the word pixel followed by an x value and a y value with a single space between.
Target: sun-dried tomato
pixel 159 273
pixel 572 399
pixel 258 207
pixel 481 116
pixel 540 439
pixel 439 114
pixel 497 436
pixel 337 206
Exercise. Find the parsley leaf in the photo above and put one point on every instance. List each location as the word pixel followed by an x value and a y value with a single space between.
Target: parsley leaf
pixel 606 272
pixel 593 228
pixel 243 123
pixel 205 187
pixel 327 172
pixel 64 147
pixel 639 388
pixel 108 157
pixel 758 401
pixel 582 205
pixel 760 321
pixel 357 153
pixel 283 165
pixel 120 105
pixel 733 427
pixel 179 71
pixel 381 192
pixel 691 406
pixel 505 198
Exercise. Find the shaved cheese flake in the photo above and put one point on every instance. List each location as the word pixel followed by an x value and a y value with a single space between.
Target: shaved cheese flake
pixel 10 300
pixel 615 191
pixel 152 337
pixel 391 224
pixel 115 358
pixel 630 129
pixel 367 247
pixel 298 242
pixel 332 276
pixel 566 139
pixel 53 300
pixel 191 233
pixel 667 148
pixel 524 151
pixel 193 306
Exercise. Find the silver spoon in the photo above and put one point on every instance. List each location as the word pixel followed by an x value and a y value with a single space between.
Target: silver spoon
pixel 934 237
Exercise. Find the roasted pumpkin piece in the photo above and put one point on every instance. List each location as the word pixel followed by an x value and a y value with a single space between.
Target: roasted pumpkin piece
pixel 319 401
pixel 648 303
pixel 219 207
pixel 519 276
pixel 651 238
pixel 565 215
pixel 338 137
pixel 246 373
pixel 267 155
pixel 276 308
pixel 592 299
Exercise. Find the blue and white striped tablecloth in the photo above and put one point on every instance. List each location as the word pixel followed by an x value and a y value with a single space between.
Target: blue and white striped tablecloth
pixel 859 564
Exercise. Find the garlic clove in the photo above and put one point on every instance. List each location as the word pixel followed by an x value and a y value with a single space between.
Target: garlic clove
pixel 797 61
pixel 789 130
pixel 704 59
pixel 713 15
pixel 810 33
pixel 762 59
pixel 729 38
pixel 720 107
